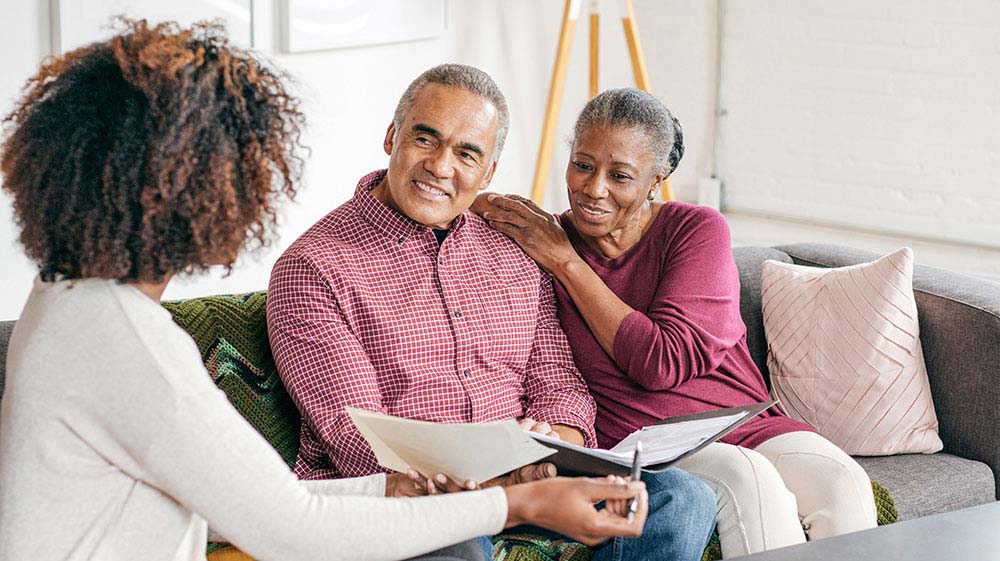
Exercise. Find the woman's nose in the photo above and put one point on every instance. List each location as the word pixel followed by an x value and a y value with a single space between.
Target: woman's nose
pixel 595 188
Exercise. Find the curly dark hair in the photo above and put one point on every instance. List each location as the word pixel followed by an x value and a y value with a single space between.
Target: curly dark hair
pixel 161 150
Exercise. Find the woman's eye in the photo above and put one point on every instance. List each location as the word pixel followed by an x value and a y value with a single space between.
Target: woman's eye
pixel 582 166
pixel 620 177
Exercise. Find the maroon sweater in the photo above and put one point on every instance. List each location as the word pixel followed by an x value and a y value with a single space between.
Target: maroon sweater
pixel 684 348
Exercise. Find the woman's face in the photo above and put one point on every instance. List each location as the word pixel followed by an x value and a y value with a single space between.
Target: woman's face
pixel 609 177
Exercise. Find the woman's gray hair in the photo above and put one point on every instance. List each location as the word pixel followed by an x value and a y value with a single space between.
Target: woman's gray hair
pixel 633 108
pixel 468 78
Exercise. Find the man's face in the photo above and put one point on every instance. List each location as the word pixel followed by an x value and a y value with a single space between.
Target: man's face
pixel 441 156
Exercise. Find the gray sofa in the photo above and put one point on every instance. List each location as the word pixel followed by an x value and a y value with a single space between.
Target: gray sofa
pixel 960 333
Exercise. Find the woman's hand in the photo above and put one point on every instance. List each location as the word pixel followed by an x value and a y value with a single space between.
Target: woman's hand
pixel 536 231
pixel 566 505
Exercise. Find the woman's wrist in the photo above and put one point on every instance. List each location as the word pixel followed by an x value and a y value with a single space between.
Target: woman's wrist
pixel 519 508
pixel 568 266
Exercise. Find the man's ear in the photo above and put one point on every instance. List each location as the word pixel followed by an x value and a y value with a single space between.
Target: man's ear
pixel 389 141
pixel 489 176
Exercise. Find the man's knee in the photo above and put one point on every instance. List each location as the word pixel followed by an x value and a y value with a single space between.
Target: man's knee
pixel 681 492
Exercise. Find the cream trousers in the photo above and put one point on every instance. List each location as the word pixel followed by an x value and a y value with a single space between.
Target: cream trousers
pixel 791 488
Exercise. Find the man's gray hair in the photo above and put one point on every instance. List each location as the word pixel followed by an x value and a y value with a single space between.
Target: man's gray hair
pixel 633 108
pixel 468 78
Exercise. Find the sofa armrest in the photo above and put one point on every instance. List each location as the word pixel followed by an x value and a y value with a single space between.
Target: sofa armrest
pixel 6 328
pixel 960 336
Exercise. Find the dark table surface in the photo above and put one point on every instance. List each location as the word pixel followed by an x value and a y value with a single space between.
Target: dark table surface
pixel 970 533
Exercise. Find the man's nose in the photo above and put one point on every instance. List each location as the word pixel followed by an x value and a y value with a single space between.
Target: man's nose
pixel 440 163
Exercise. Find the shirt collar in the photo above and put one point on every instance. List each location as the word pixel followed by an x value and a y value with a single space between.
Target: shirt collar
pixel 386 220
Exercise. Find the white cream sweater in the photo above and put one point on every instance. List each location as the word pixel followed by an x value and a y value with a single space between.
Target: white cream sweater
pixel 116 445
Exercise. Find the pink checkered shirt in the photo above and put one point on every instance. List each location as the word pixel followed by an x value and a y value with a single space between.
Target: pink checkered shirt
pixel 366 310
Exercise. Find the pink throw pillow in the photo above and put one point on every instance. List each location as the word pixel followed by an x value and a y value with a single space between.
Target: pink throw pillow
pixel 845 357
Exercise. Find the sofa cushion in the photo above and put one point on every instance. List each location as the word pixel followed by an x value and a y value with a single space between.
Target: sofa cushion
pixel 922 484
pixel 960 334
pixel 750 261
pixel 844 354
pixel 231 333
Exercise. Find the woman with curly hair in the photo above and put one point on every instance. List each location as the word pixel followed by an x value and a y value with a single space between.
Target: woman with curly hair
pixel 162 151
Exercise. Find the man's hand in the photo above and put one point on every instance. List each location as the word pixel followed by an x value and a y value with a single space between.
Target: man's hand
pixel 566 505
pixel 562 432
pixel 404 485
pixel 541 427
pixel 524 474
pixel 412 484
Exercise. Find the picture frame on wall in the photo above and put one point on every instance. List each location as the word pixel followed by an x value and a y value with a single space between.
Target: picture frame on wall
pixel 311 25
pixel 75 23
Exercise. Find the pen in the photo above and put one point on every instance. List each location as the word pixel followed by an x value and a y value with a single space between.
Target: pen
pixel 633 504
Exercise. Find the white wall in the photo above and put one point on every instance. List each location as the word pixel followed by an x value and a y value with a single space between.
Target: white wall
pixel 349 96
pixel 868 123
pixel 24 41
pixel 874 124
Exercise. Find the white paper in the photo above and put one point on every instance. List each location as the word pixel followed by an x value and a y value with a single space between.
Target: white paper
pixel 463 451
pixel 662 443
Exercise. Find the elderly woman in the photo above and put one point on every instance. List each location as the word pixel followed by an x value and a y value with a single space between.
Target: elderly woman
pixel 648 294
pixel 162 151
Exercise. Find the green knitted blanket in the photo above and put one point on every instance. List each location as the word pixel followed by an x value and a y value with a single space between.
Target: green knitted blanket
pixel 231 333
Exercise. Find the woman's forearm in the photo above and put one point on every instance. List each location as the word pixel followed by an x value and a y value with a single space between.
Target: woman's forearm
pixel 601 308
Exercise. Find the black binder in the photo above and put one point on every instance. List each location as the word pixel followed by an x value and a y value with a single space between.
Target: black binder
pixel 570 461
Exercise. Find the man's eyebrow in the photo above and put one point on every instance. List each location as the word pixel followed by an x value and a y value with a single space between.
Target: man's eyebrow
pixel 472 148
pixel 426 130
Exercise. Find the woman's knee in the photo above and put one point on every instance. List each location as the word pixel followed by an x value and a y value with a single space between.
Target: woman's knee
pixel 742 476
pixel 822 475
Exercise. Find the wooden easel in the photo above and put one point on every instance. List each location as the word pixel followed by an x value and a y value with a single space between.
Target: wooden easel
pixel 571 13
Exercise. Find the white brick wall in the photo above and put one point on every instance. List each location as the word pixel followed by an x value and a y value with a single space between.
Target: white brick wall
pixel 871 114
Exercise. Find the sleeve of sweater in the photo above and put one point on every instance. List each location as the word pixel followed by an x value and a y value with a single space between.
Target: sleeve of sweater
pixel 372 485
pixel 175 431
pixel 694 316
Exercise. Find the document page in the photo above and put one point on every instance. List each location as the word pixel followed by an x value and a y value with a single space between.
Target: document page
pixel 463 451
pixel 662 443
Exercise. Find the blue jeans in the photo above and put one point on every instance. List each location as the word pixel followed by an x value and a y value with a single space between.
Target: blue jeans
pixel 486 543
pixel 680 522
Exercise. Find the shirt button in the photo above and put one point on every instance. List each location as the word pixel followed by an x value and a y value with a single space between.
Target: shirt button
pixel 401 239
pixel 467 373
pixel 458 314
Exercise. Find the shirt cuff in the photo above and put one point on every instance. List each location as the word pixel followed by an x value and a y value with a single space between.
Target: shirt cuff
pixel 569 419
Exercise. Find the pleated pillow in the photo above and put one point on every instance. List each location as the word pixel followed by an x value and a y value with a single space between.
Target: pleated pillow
pixel 844 354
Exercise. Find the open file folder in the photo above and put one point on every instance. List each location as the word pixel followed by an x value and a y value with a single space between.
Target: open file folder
pixel 663 444
pixel 482 451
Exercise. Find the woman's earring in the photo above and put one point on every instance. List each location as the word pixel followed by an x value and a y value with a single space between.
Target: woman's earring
pixel 651 195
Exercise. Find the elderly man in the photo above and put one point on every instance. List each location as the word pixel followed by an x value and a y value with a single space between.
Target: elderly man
pixel 401 302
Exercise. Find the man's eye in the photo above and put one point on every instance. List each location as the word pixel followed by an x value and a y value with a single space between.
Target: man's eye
pixel 467 156
pixel 423 140
pixel 621 177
